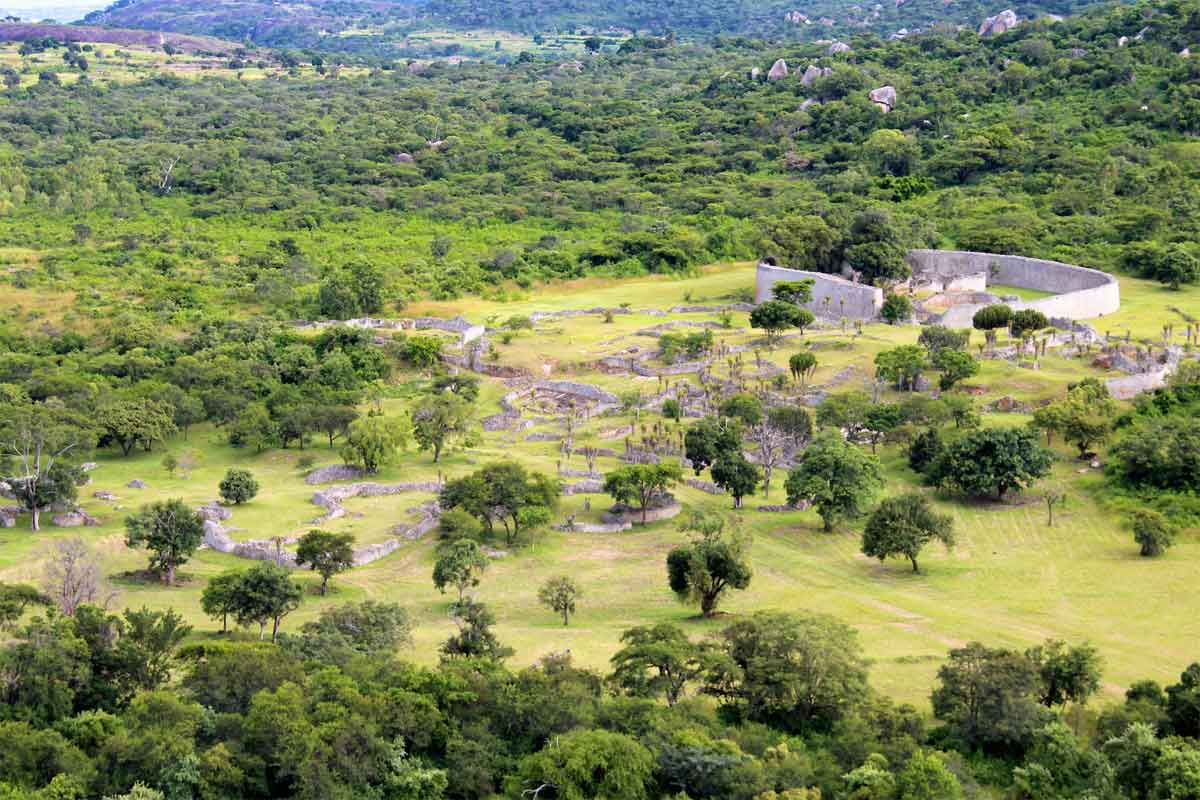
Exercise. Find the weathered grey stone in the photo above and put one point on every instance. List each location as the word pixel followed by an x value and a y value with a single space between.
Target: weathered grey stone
pixel 403 158
pixel 102 495
pixel 333 472
pixel 884 97
pixel 778 71
pixel 214 511
pixel 74 519
pixel 838 47
pixel 1004 21
pixel 813 73
pixel 136 484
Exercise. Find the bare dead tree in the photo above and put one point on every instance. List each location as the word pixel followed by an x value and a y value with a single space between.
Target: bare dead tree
pixel 71 577
pixel 770 449
pixel 166 174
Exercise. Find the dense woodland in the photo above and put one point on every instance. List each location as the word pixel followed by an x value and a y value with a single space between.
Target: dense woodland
pixel 187 224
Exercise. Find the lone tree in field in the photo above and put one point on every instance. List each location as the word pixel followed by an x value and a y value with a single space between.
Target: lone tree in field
pixel 459 564
pixel 504 493
pixel 559 595
pixel 954 366
pixel 1153 533
pixel 642 483
pixel 238 486
pixel 993 461
pixel 713 562
pixel 170 531
pixel 839 479
pixel 440 419
pixel 37 439
pixel 709 439
pixel 902 525
pixel 326 553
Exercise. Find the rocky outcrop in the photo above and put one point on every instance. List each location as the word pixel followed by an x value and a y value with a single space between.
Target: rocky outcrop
pixel 884 97
pixel 334 472
pixel 779 70
pixel 814 73
pixel 1006 20
pixel 214 512
pixel 583 487
pixel 403 158
pixel 838 47
pixel 755 74
pixel 663 507
pixel 136 484
pixel 74 519
pixel 8 516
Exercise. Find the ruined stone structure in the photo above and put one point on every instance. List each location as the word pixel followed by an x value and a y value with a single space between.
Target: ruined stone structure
pixel 1079 292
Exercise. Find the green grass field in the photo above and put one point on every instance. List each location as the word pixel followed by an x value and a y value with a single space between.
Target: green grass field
pixel 1012 580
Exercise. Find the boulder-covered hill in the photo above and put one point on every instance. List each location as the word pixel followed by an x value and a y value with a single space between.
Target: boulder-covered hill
pixel 24 31
pixel 324 23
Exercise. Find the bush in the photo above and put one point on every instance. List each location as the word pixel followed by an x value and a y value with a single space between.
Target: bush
pixel 1152 532
pixel 1028 320
pixel 896 308
pixel 992 317
pixel 238 486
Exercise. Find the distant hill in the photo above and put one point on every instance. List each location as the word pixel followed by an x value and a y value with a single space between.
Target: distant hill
pixel 24 31
pixel 348 24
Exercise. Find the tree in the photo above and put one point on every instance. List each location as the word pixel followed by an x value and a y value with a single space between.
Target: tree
pixel 711 564
pixel 57 485
pixel 559 595
pixel 1084 417
pixel 800 673
pixel 776 316
pixel 373 442
pixel 989 318
pixel 801 242
pixel 326 554
pixel 902 525
pixel 875 248
pixel 238 486
pixel 836 477
pixel 1152 531
pixel 642 483
pixel 586 765
pixel 882 419
pixel 14 599
pixel 901 365
pixel 896 308
pixel 935 338
pixel 459 564
pixel 333 420
pixel 338 633
pixel 793 421
pixel 37 438
pixel 993 461
pixel 423 352
pixel 506 493
pixel 1176 267
pixel 846 411
pixel 1028 320
pixel 130 421
pixel 891 152
pixel 71 577
pixel 219 598
pixel 736 475
pixel 265 593
pixel 795 292
pixel 475 638
pixel 925 450
pixel 802 365
pixel 1067 673
pixel 170 530
pixel 657 660
pixel 253 427
pixel 926 777
pixel 709 439
pixel 744 407
pixel 770 445
pixel 954 366
pixel 440 418
pixel 989 698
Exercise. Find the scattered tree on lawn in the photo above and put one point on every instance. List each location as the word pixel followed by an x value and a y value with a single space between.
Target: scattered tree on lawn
pixel 712 563
pixel 993 461
pixel 902 525
pixel 169 530
pixel 836 477
pixel 238 486
pixel 710 439
pixel 1152 531
pixel 459 564
pixel 559 594
pixel 736 475
pixel 506 493
pixel 325 553
pixel 642 483
pixel 475 638
pixel 265 593
pixel 441 418
pixel 373 442
pixel 657 661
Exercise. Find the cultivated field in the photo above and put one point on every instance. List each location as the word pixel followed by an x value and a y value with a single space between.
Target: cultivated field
pixel 1012 580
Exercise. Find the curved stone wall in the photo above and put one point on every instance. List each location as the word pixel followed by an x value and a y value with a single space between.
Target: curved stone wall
pixel 846 298
pixel 1079 292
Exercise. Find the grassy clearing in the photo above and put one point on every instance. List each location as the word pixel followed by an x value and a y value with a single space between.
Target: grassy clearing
pixel 1012 580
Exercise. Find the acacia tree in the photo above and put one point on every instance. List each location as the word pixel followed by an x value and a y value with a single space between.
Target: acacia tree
pixel 169 530
pixel 836 477
pixel 642 483
pixel 902 525
pixel 459 564
pixel 325 553
pixel 658 660
pixel 712 563
pixel 559 594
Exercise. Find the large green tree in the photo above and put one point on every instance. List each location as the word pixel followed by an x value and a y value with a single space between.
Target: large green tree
pixel 836 477
pixel 713 562
pixel 993 461
pixel 902 526
pixel 642 483
pixel 169 530
pixel 326 553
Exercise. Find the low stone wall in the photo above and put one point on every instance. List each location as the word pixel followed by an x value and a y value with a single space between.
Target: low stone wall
pixel 846 298
pixel 1079 292
pixel 620 514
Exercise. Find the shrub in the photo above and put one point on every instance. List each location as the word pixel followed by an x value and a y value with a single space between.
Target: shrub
pixel 992 317
pixel 896 308
pixel 238 486
pixel 1152 532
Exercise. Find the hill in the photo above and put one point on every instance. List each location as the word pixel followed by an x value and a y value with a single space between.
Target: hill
pixel 365 25
pixel 26 31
